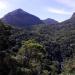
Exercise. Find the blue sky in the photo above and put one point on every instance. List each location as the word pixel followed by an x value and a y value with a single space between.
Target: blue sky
pixel 59 10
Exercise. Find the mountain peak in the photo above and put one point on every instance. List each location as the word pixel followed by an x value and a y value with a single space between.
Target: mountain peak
pixel 50 21
pixel 20 18
pixel 19 11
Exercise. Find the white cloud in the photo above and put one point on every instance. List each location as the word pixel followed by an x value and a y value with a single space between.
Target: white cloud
pixel 70 3
pixel 58 11
pixel 2 5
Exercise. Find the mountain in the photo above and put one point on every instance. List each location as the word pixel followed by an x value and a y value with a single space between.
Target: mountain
pixel 50 21
pixel 20 18
pixel 66 31
pixel 70 21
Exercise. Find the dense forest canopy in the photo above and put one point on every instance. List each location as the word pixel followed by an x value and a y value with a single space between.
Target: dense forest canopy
pixel 42 50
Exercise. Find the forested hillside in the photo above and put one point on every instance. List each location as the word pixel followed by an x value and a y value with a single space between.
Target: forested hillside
pixel 39 50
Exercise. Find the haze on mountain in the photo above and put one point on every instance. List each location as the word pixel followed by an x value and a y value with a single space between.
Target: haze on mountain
pixel 20 18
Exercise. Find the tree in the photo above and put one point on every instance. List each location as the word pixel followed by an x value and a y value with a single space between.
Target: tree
pixel 30 55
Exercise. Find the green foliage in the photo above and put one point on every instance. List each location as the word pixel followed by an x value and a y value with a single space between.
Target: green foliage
pixel 69 67
pixel 30 45
pixel 44 50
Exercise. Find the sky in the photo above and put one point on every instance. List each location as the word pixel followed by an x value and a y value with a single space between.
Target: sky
pixel 59 10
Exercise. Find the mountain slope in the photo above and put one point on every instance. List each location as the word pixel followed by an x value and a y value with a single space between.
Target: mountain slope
pixel 20 18
pixel 69 21
pixel 66 32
